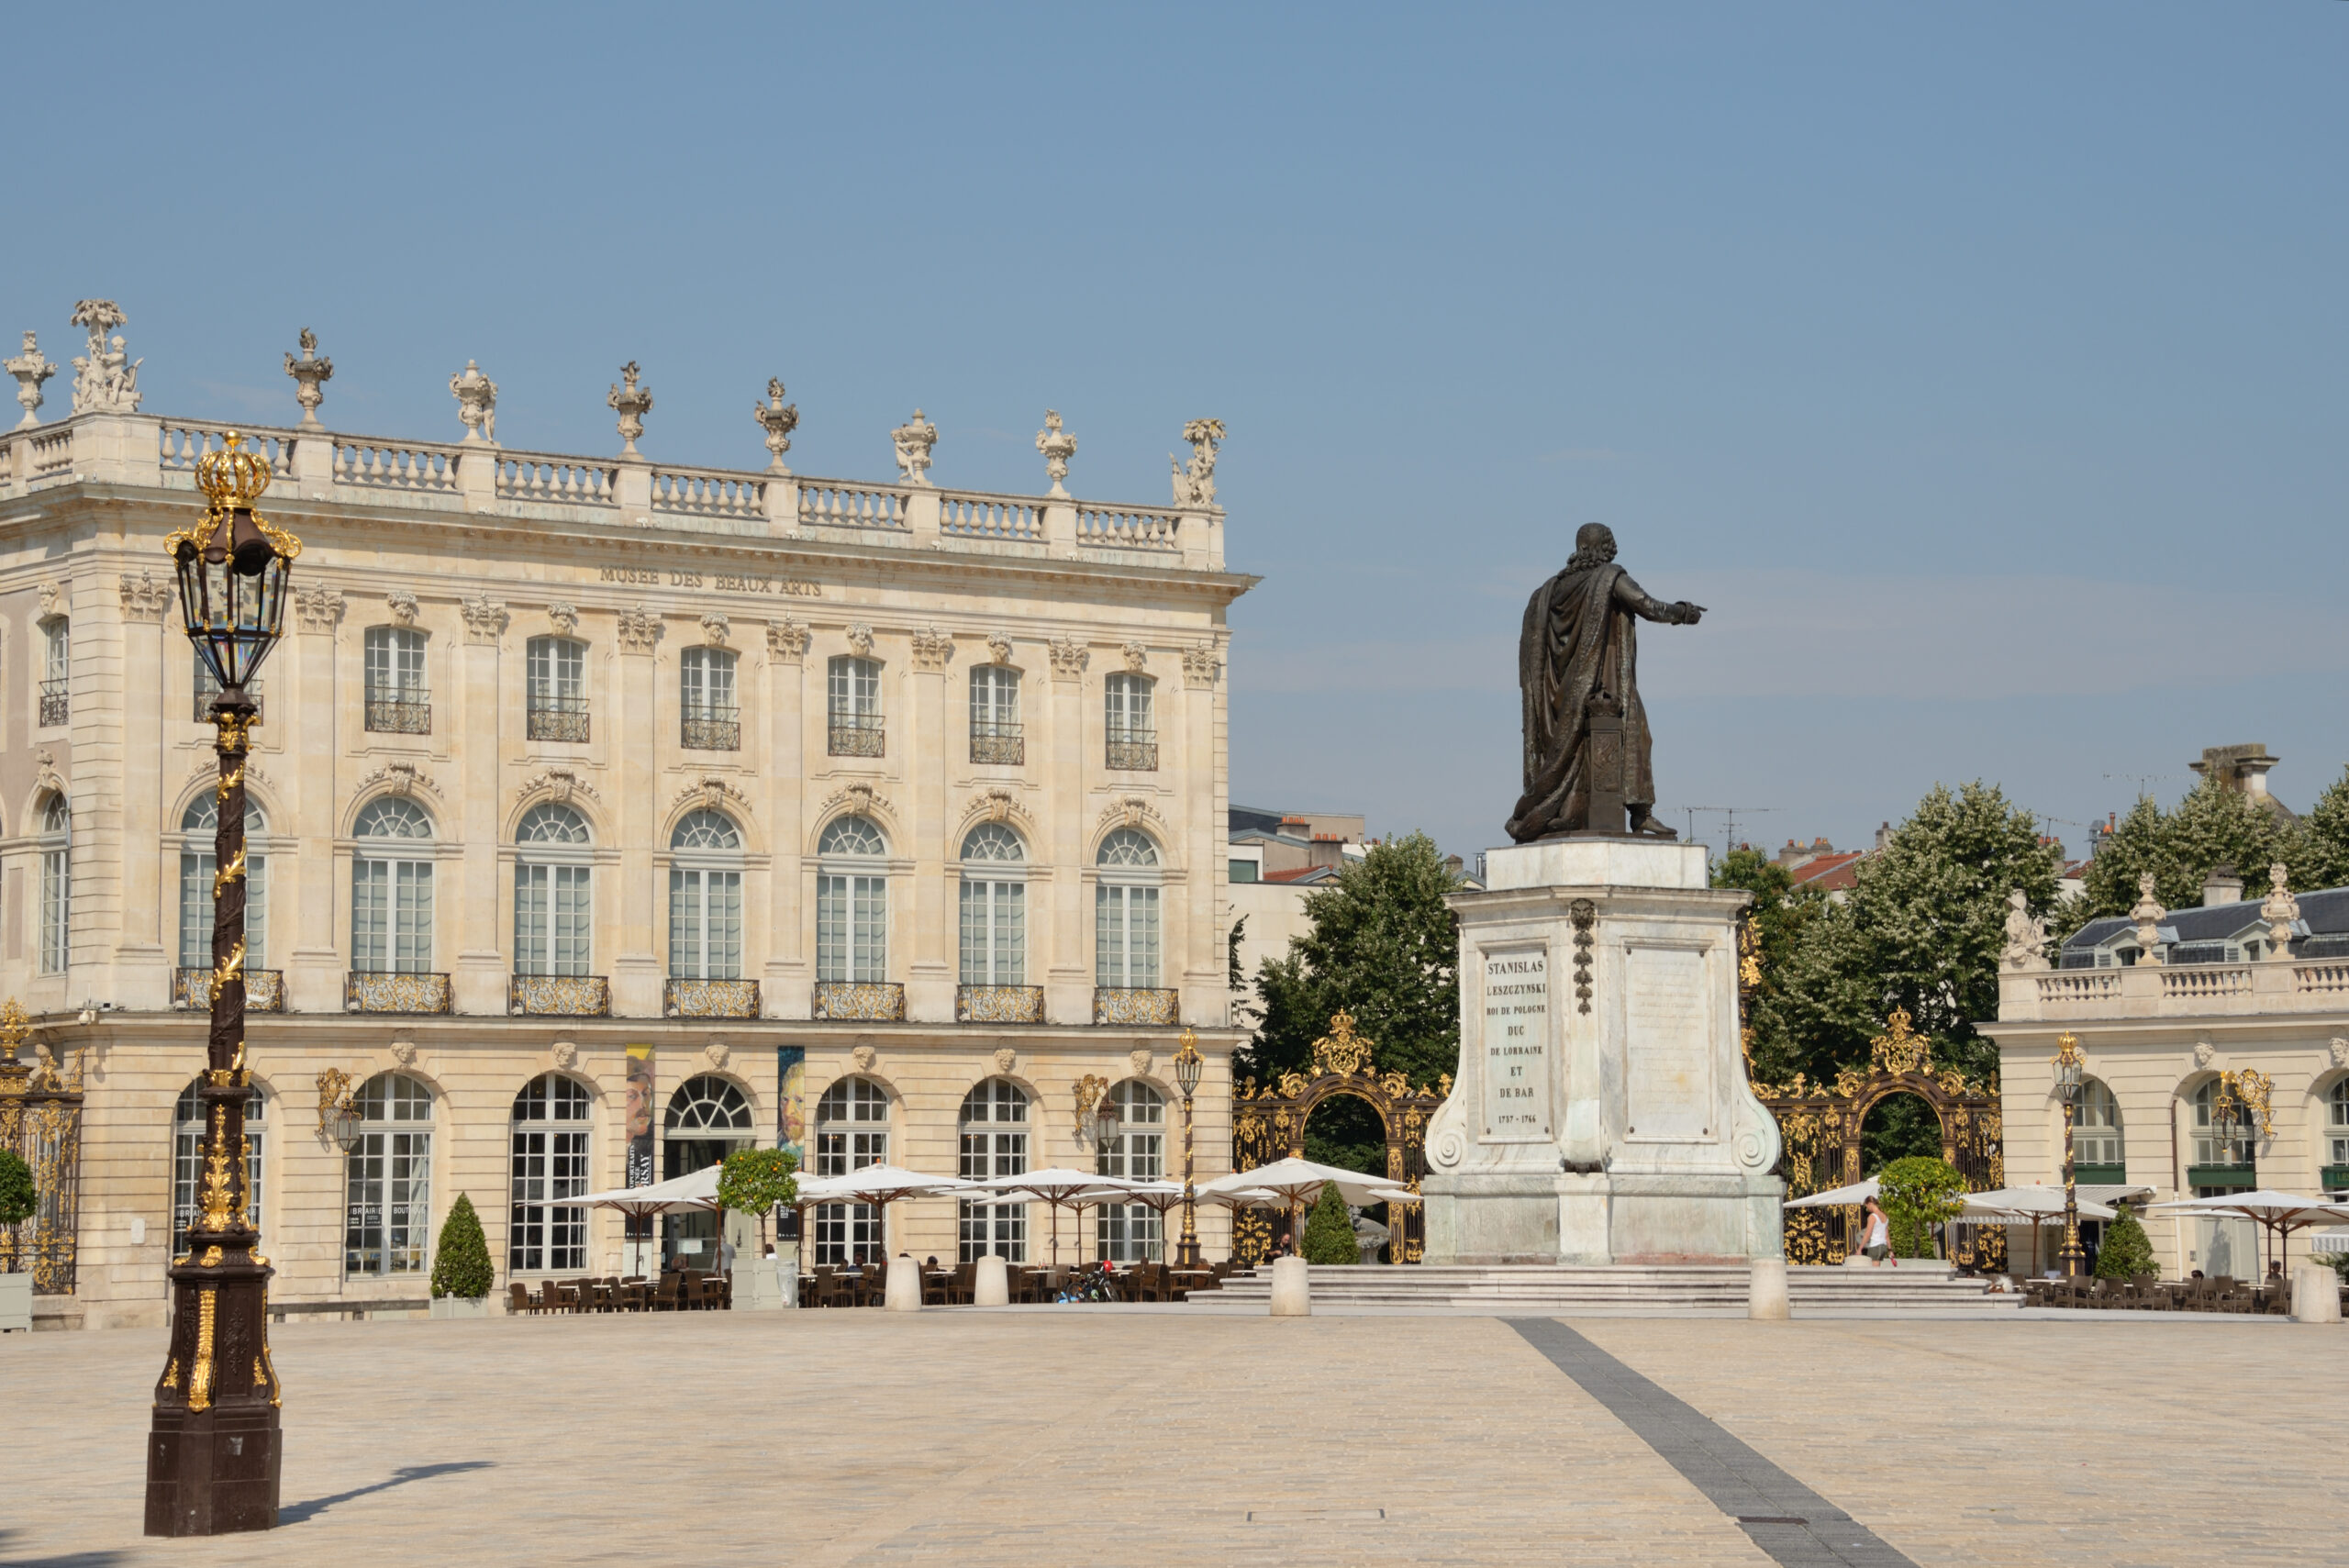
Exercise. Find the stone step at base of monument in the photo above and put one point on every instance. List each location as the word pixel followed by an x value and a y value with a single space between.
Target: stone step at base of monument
pixel 1630 1289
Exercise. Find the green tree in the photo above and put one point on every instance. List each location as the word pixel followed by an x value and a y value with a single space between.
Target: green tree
pixel 1781 914
pixel 18 1202
pixel 2323 850
pixel 754 1181
pixel 2213 826
pixel 2127 1251
pixel 461 1266
pixel 1382 946
pixel 2139 843
pixel 1329 1231
pixel 1917 1194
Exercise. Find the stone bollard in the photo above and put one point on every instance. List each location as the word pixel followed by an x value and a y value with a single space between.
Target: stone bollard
pixel 2316 1295
pixel 991 1286
pixel 1765 1294
pixel 1292 1296
pixel 905 1285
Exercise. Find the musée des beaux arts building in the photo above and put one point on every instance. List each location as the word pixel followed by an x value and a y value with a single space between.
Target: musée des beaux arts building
pixel 880 819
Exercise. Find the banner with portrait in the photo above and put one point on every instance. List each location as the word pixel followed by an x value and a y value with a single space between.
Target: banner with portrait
pixel 641 1164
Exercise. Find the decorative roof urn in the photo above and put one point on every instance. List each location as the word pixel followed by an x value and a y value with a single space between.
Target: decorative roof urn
pixel 778 418
pixel 1058 446
pixel 310 372
pixel 632 406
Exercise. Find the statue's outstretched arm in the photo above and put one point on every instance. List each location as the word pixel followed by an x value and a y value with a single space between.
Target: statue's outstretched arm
pixel 1634 598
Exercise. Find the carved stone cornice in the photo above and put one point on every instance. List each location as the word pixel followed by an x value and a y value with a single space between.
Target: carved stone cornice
pixel 401 778
pixel 403 607
pixel 710 792
pixel 318 609
pixel 857 800
pixel 143 598
pixel 639 630
pixel 788 639
pixel 485 618
pixel 563 617
pixel 1200 665
pixel 47 780
pixel 999 647
pixel 1136 657
pixel 932 649
pixel 999 803
pixel 1069 657
pixel 713 628
pixel 860 640
pixel 53 602
pixel 1128 811
pixel 558 785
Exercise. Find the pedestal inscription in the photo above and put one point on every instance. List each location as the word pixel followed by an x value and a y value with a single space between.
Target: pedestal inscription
pixel 1516 1037
pixel 1667 1044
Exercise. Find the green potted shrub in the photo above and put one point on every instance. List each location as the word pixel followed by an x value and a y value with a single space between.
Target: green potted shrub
pixel 461 1274
pixel 757 1181
pixel 1918 1193
pixel 1330 1230
pixel 18 1202
pixel 2127 1251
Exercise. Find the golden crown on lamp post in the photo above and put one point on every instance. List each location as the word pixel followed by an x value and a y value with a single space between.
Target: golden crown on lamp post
pixel 233 566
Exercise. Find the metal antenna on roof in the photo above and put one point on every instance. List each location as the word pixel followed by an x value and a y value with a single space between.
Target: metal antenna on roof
pixel 1728 821
pixel 2141 779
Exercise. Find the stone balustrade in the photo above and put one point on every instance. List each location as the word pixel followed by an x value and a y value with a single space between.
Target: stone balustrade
pixel 480 477
pixel 2184 990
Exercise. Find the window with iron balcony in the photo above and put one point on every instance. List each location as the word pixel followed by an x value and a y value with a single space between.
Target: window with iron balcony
pixel 556 689
pixel 996 733
pixel 853 708
pixel 56 650
pixel 1132 742
pixel 708 719
pixel 398 701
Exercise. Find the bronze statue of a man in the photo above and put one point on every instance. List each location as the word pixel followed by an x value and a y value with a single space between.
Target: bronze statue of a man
pixel 1577 667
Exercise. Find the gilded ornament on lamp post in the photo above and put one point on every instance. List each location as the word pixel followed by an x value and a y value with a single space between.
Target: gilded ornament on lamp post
pixel 1187 1066
pixel 213 1449
pixel 2067 1084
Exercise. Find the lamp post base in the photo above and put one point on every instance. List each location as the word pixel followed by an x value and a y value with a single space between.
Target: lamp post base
pixel 213 1472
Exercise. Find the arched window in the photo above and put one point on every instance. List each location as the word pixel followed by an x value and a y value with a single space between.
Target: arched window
pixel 387 1179
pixel 996 733
pixel 398 700
pixel 555 688
pixel 705 898
pixel 995 907
pixel 187 1162
pixel 1133 1232
pixel 2096 1133
pixel 554 909
pixel 995 1144
pixel 545 1234
pixel 391 889
pixel 57 886
pixel 199 824
pixel 2216 1148
pixel 1125 912
pixel 853 708
pixel 852 1132
pixel 1133 739
pixel 708 1118
pixel 2336 1130
pixel 709 720
pixel 851 903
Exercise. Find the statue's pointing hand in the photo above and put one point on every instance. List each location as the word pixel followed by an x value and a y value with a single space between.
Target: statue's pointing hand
pixel 1687 614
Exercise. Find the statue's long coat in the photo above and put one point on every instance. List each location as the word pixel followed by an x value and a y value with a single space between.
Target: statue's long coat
pixel 1578 640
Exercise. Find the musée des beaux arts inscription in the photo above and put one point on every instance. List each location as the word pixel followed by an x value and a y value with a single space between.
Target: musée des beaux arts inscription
pixel 717 582
pixel 1517 1046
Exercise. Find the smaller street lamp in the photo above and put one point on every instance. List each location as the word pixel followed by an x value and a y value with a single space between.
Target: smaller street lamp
pixel 1188 1064
pixel 2067 1084
pixel 1107 1124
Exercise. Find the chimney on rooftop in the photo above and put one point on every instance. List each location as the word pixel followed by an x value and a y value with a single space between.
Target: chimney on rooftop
pixel 1883 836
pixel 2221 885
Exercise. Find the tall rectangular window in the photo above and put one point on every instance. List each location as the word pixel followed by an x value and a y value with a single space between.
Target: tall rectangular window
pixel 853 707
pixel 1132 742
pixel 398 702
pixel 852 928
pixel 996 733
pixel 994 932
pixel 553 916
pixel 710 720
pixel 56 671
pixel 391 916
pixel 704 924
pixel 56 885
pixel 1125 936
pixel 556 689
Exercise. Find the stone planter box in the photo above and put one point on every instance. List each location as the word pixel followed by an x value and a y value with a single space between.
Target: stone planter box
pixel 460 1306
pixel 763 1286
pixel 16 1303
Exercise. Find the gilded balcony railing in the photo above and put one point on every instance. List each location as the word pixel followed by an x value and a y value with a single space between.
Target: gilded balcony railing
pixel 998 1003
pixel 998 743
pixel 559 995
pixel 264 990
pixel 711 730
pixel 857 735
pixel 1135 1005
pixel 863 1001
pixel 685 998
pixel 370 991
pixel 399 710
pixel 556 718
pixel 1133 750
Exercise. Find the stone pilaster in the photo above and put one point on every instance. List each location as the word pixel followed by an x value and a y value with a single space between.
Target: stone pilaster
pixel 788 967
pixel 477 977
pixel 142 954
pixel 1068 980
pixel 931 966
pixel 308 889
pixel 635 963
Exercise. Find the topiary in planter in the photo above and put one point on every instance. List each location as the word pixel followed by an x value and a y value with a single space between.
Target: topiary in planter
pixel 2127 1250
pixel 1329 1231
pixel 18 1202
pixel 1917 1193
pixel 754 1181
pixel 462 1266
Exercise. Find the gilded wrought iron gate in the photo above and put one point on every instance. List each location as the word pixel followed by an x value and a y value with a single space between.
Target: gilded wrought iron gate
pixel 1268 1124
pixel 40 1122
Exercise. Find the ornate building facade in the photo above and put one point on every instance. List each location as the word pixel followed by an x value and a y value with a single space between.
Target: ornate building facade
pixel 882 819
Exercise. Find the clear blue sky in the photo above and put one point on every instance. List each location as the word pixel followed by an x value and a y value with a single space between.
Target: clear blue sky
pixel 1980 367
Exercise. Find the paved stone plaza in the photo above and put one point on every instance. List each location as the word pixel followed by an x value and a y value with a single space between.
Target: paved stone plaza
pixel 1090 1435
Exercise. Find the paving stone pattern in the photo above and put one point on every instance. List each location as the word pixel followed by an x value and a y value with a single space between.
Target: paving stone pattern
pixel 1089 1435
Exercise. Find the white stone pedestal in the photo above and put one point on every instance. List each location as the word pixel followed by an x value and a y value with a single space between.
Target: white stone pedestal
pixel 904 1292
pixel 1292 1288
pixel 991 1283
pixel 1600 1113
pixel 2316 1295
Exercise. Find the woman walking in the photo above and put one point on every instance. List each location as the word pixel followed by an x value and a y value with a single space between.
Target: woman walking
pixel 1877 1234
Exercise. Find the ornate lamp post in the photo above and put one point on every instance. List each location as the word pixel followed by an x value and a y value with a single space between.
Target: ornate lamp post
pixel 2067 1084
pixel 213 1452
pixel 1187 1065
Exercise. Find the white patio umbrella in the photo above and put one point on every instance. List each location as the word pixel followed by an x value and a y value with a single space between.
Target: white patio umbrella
pixel 2279 1214
pixel 1300 1182
pixel 2032 1206
pixel 1159 1195
pixel 1852 1197
pixel 679 1195
pixel 1246 1197
pixel 879 1185
pixel 1056 1185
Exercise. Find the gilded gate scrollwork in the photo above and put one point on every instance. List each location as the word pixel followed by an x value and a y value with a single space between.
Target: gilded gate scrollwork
pixel 1268 1124
pixel 40 1121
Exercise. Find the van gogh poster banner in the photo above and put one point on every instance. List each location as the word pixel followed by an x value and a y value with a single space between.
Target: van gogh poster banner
pixel 639 1131
pixel 791 1101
